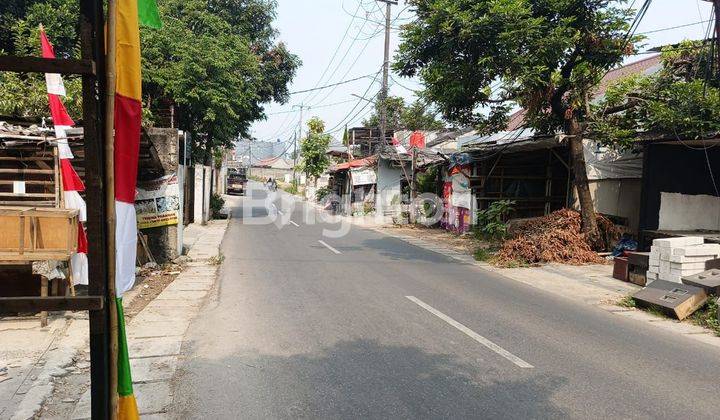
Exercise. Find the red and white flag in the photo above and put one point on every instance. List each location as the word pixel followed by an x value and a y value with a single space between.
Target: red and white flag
pixel 72 184
pixel 398 146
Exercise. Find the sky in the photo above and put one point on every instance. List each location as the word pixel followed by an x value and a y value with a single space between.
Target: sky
pixel 334 46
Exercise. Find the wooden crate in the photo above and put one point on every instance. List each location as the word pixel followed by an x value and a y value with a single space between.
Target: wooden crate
pixel 35 234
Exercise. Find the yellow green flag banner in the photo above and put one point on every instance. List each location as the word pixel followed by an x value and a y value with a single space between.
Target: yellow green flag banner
pixel 148 14
pixel 128 118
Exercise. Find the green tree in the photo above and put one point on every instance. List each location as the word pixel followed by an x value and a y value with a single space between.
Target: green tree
pixel 395 108
pixel 25 94
pixel 217 61
pixel 547 56
pixel 679 101
pixel 346 137
pixel 417 116
pixel 400 116
pixel 313 149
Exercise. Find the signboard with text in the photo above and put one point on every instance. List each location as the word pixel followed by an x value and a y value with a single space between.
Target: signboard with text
pixel 157 202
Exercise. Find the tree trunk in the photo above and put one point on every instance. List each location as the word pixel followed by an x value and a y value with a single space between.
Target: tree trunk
pixel 587 209
pixel 207 158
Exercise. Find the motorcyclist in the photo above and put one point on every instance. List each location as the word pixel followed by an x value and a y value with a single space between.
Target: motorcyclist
pixel 271 184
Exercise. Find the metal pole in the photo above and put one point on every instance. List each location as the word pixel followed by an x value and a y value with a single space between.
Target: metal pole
pixel 716 8
pixel 295 156
pixel 299 136
pixel 386 73
pixel 110 200
pixel 92 45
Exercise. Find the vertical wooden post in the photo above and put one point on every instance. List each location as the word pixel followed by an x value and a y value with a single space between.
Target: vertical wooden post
pixel 92 47
pixel 109 147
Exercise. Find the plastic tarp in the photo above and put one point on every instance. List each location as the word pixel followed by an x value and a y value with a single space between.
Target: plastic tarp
pixel 605 163
pixel 461 194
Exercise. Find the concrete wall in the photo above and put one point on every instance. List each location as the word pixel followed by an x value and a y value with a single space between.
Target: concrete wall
pixel 163 241
pixel 203 189
pixel 388 187
pixel 689 212
pixel 165 142
pixel 266 173
pixel 617 197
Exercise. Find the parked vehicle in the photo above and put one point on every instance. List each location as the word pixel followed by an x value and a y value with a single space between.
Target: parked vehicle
pixel 237 182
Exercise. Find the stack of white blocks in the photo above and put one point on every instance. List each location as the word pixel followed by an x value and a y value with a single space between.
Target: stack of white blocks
pixel 671 259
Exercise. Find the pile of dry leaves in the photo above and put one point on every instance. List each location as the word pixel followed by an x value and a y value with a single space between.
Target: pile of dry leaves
pixel 556 237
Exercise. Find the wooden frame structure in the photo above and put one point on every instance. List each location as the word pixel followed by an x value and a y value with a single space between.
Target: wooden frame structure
pixel 92 67
pixel 541 180
pixel 36 165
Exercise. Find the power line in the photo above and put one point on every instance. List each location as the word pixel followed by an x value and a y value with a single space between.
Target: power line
pixel 332 85
pixel 337 49
pixel 309 98
pixel 364 97
pixel 291 111
pixel 670 28
pixel 347 72
pixel 360 54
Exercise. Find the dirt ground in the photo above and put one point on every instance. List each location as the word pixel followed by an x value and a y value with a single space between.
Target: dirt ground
pixel 465 243
pixel 150 283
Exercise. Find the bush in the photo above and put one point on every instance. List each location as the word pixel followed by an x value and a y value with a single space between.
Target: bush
pixel 292 188
pixel 482 254
pixel 707 316
pixel 216 205
pixel 321 193
pixel 368 207
pixel 491 221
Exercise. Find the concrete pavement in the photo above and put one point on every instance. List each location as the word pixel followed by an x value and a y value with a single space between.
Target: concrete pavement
pixel 297 330
pixel 155 334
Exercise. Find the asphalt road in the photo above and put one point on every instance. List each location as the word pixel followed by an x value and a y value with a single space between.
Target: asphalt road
pixel 368 326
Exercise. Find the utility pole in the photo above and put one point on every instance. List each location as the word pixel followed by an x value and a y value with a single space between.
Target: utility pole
pixel 295 156
pixel 386 72
pixel 716 9
pixel 298 137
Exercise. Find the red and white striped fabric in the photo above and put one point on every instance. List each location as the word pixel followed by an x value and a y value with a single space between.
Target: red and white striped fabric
pixel 72 184
pixel 398 146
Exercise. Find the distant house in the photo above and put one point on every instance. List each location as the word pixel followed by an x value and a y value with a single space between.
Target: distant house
pixel 379 183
